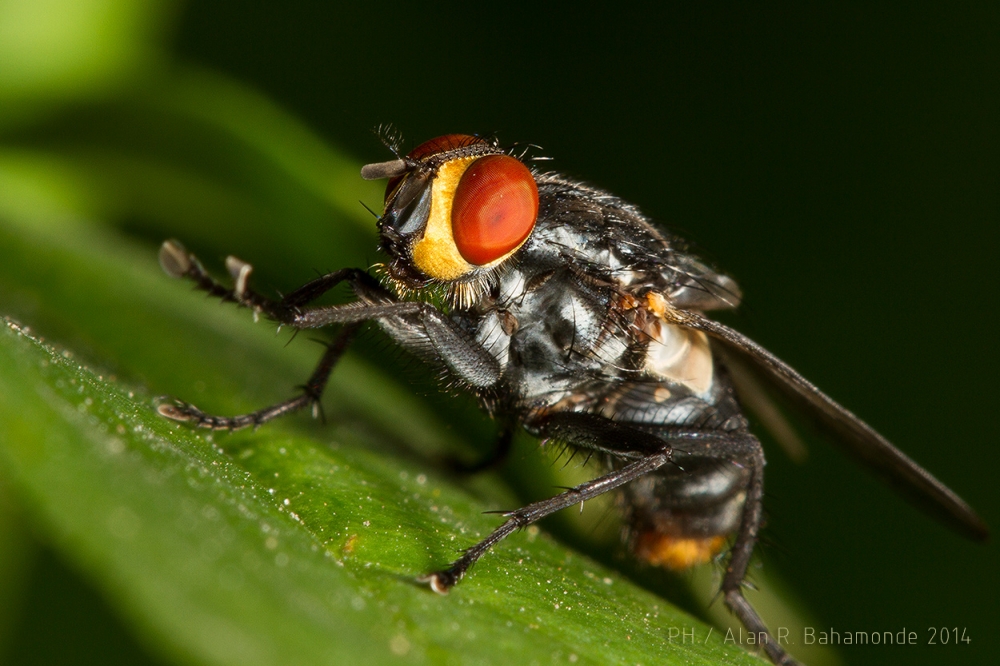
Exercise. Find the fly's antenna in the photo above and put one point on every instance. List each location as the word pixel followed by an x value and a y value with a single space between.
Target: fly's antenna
pixel 380 170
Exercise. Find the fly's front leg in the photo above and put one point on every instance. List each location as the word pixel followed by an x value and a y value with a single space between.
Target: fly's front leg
pixel 178 262
pixel 418 326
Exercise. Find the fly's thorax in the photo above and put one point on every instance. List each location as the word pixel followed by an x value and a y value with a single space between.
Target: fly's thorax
pixel 564 344
pixel 552 336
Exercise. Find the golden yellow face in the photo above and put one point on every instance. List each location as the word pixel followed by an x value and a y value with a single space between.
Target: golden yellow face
pixel 459 205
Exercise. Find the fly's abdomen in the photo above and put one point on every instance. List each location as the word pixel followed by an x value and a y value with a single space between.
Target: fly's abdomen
pixel 681 517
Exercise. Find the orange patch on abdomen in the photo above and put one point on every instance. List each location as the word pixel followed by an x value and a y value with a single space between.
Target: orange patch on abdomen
pixel 676 553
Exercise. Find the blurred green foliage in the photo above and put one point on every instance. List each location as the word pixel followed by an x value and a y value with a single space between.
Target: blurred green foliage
pixel 128 540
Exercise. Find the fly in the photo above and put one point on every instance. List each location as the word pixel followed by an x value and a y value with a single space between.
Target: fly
pixel 568 314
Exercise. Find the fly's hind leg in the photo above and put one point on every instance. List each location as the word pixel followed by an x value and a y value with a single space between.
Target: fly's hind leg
pixel 740 448
pixel 739 560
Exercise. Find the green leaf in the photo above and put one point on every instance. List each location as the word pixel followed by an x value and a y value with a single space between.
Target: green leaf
pixel 276 547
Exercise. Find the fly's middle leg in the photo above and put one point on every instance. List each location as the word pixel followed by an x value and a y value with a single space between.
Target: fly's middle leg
pixel 442 581
pixel 312 391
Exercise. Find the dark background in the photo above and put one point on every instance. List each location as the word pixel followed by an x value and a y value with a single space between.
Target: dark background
pixel 839 162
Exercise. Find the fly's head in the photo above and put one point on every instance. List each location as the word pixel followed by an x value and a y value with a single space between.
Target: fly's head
pixel 457 208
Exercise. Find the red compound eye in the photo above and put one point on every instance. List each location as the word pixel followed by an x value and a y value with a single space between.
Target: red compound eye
pixel 494 209
pixel 443 144
pixel 435 146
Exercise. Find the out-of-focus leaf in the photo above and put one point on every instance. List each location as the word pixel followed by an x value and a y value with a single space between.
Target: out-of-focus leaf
pixel 206 160
pixel 260 124
pixel 53 50
pixel 16 549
